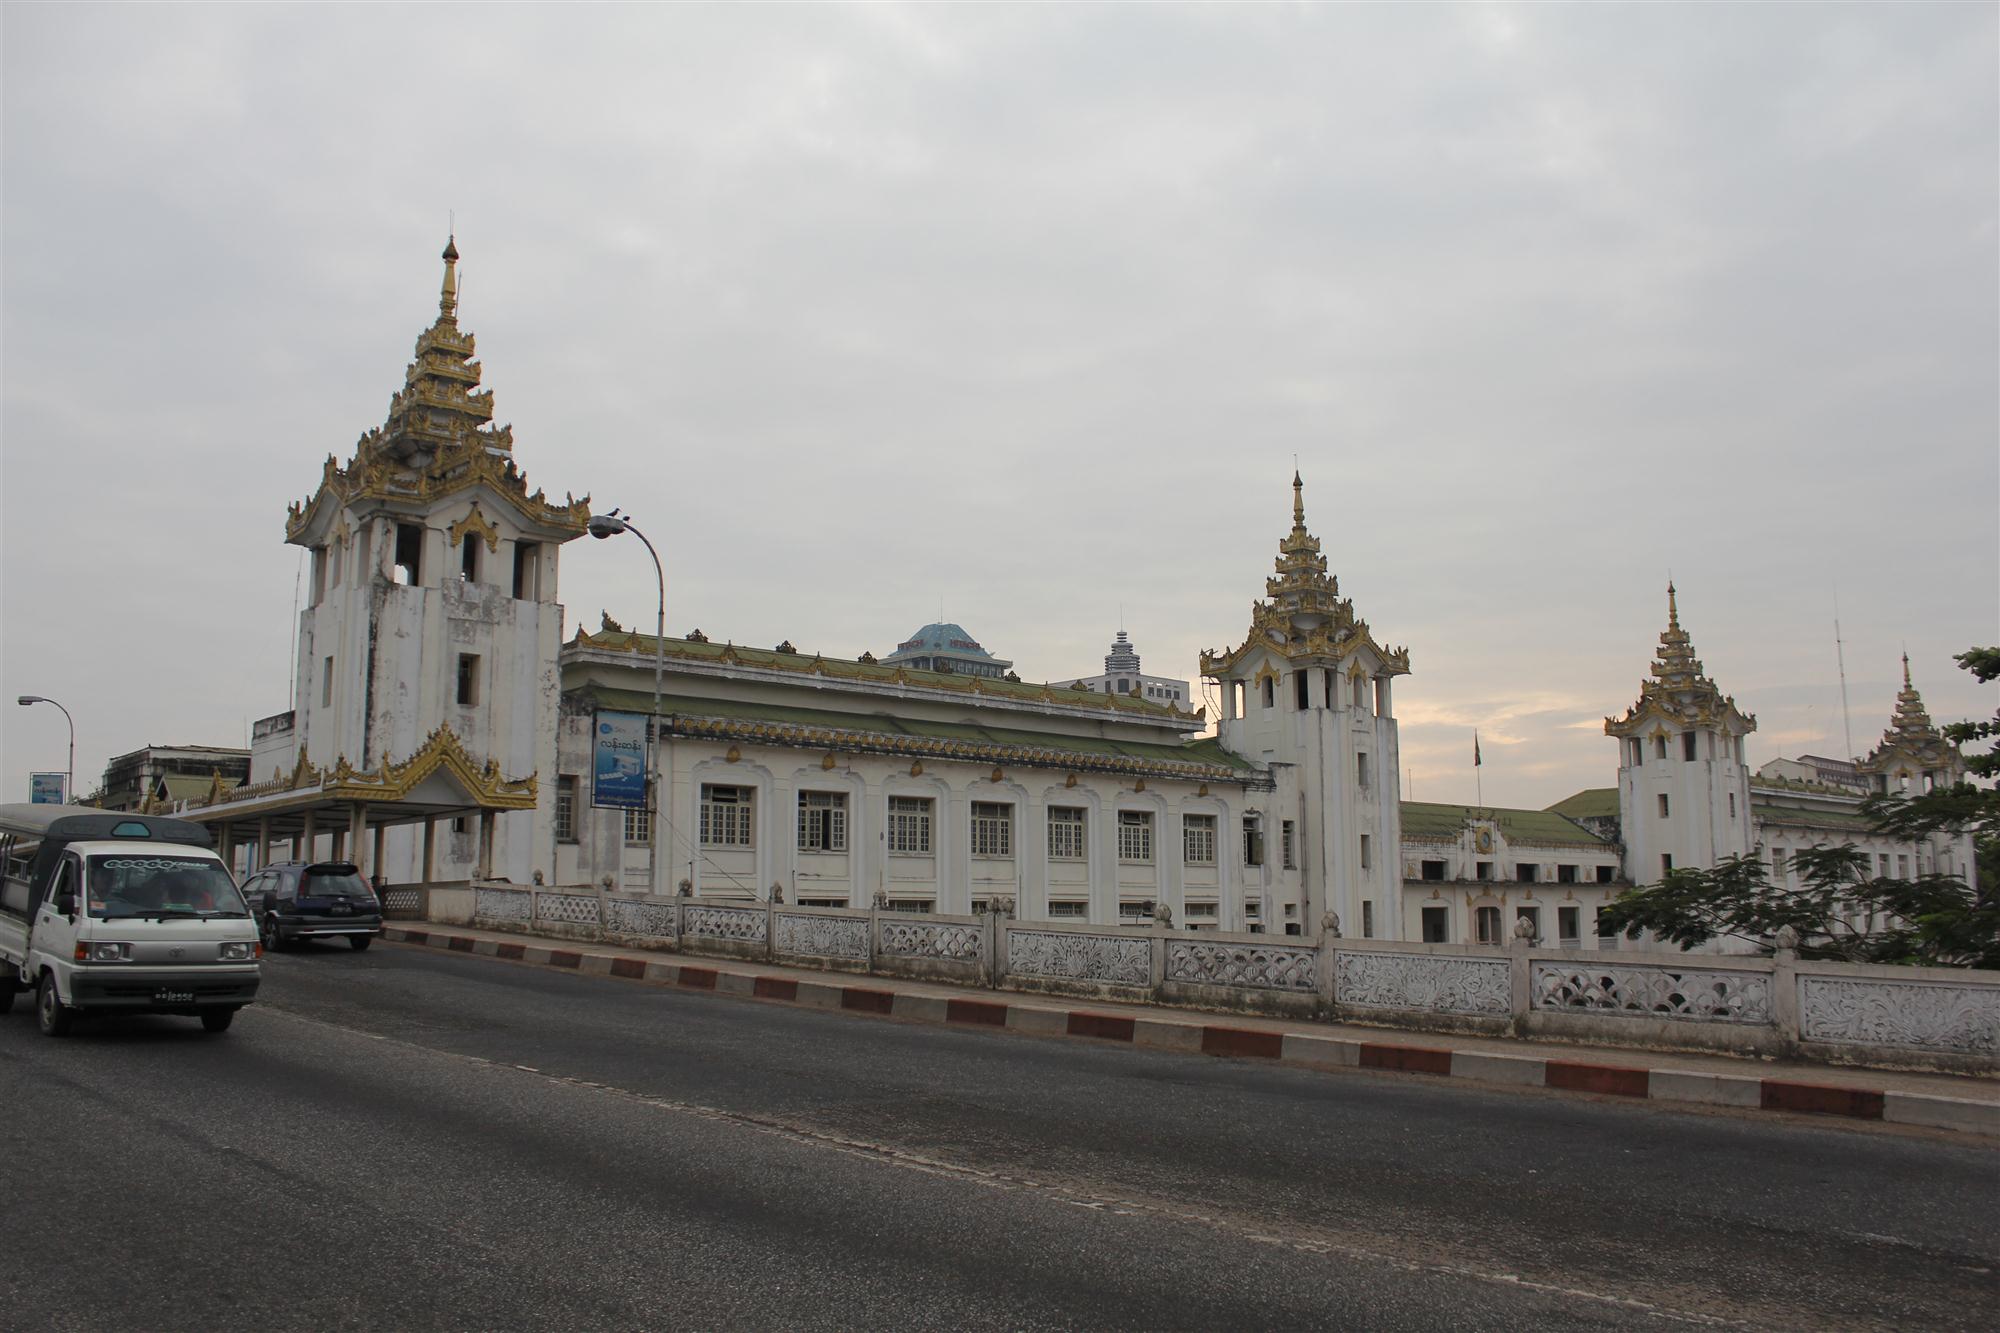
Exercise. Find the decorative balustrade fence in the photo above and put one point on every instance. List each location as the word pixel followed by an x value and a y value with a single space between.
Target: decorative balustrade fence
pixel 1932 1017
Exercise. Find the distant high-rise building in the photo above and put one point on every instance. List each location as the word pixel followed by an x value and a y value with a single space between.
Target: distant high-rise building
pixel 1123 676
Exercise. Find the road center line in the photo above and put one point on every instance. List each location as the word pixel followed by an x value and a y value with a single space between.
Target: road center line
pixel 1303 1242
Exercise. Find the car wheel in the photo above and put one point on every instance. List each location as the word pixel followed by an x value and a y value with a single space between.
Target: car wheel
pixel 360 942
pixel 273 941
pixel 217 1020
pixel 53 1015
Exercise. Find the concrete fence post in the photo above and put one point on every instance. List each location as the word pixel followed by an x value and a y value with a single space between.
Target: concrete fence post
pixel 1785 986
pixel 875 931
pixel 1520 973
pixel 1329 939
pixel 771 926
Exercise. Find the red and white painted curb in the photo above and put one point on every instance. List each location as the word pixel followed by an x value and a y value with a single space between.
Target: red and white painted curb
pixel 1292 1048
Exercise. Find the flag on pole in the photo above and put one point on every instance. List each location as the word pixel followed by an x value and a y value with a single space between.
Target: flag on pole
pixel 1475 749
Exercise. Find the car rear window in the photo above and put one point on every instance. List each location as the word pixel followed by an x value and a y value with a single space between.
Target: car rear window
pixel 334 884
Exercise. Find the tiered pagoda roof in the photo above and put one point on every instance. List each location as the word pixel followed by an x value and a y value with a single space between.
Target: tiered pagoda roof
pixel 1911 737
pixel 439 439
pixel 1303 614
pixel 1679 694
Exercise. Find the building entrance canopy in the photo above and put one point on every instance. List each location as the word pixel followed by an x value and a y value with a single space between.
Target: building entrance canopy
pixel 440 781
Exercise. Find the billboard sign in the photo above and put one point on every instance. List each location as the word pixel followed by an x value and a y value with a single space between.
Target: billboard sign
pixel 46 788
pixel 618 767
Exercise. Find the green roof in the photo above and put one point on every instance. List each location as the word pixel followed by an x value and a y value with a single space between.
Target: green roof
pixel 1590 803
pixel 842 668
pixel 1207 750
pixel 1768 812
pixel 1426 819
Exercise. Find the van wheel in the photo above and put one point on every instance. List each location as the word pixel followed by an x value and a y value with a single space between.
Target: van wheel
pixel 273 941
pixel 53 1015
pixel 360 942
pixel 217 1020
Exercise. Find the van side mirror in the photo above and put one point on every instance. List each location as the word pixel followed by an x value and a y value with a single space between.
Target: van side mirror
pixel 66 904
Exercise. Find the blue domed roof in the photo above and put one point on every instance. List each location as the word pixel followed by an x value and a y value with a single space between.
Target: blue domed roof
pixel 946 642
pixel 941 636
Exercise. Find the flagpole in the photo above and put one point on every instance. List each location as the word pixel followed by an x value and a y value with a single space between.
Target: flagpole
pixel 1478 785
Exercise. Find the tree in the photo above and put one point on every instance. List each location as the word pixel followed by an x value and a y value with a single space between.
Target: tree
pixel 1838 910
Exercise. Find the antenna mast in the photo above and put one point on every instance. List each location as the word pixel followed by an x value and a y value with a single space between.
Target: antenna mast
pixel 1840 659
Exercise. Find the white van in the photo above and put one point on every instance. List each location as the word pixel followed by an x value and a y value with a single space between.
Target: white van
pixel 108 913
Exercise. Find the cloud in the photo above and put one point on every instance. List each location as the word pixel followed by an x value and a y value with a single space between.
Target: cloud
pixel 1030 309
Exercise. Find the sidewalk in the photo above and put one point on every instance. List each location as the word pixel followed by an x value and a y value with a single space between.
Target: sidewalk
pixel 1940 1101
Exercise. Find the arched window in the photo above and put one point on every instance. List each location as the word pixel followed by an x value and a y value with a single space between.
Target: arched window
pixel 1487 920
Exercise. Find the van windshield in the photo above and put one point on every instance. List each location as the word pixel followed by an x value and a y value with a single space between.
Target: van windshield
pixel 161 886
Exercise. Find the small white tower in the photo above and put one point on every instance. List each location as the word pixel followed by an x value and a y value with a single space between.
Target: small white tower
pixel 1912 758
pixel 433 618
pixel 1309 690
pixel 1683 789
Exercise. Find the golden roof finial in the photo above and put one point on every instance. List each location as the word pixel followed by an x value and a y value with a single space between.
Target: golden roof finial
pixel 1298 500
pixel 448 297
pixel 1673 611
pixel 1906 672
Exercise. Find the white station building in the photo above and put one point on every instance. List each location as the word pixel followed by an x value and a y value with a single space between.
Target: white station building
pixel 447 730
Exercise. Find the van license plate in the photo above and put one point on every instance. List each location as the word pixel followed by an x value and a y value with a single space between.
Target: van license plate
pixel 173 997
pixel 342 909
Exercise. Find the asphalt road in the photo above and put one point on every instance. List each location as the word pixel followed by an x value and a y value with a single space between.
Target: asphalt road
pixel 406 1139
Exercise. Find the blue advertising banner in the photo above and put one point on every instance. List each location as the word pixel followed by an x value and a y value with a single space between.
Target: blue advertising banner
pixel 618 768
pixel 46 788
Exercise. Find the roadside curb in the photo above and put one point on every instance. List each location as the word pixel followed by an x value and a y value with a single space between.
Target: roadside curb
pixel 1049 1016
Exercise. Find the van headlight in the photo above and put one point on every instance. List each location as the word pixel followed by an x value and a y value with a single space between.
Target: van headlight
pixel 239 951
pixel 102 951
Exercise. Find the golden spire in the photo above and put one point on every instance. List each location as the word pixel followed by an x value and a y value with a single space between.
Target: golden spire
pixel 1298 500
pixel 448 297
pixel 1906 674
pixel 1679 688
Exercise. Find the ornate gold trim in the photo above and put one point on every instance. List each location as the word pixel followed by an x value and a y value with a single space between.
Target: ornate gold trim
pixel 475 523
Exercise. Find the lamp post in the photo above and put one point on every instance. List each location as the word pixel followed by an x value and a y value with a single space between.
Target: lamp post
pixel 69 778
pixel 602 526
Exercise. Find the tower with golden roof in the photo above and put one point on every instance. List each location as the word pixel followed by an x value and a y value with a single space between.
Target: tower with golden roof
pixel 432 596
pixel 1683 787
pixel 1913 756
pixel 1308 691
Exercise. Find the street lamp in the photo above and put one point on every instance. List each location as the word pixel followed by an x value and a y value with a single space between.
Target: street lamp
pixel 602 526
pixel 69 778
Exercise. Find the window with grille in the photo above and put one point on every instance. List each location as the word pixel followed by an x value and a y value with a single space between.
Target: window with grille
pixel 566 807
pixel 822 821
pixel 1288 839
pixel 992 829
pixel 1487 923
pixel 725 815
pixel 910 825
pixel 1135 835
pixel 1066 833
pixel 1198 839
pixel 1068 911
pixel 638 827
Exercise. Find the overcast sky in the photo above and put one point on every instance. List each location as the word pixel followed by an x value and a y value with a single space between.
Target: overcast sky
pixel 1025 311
